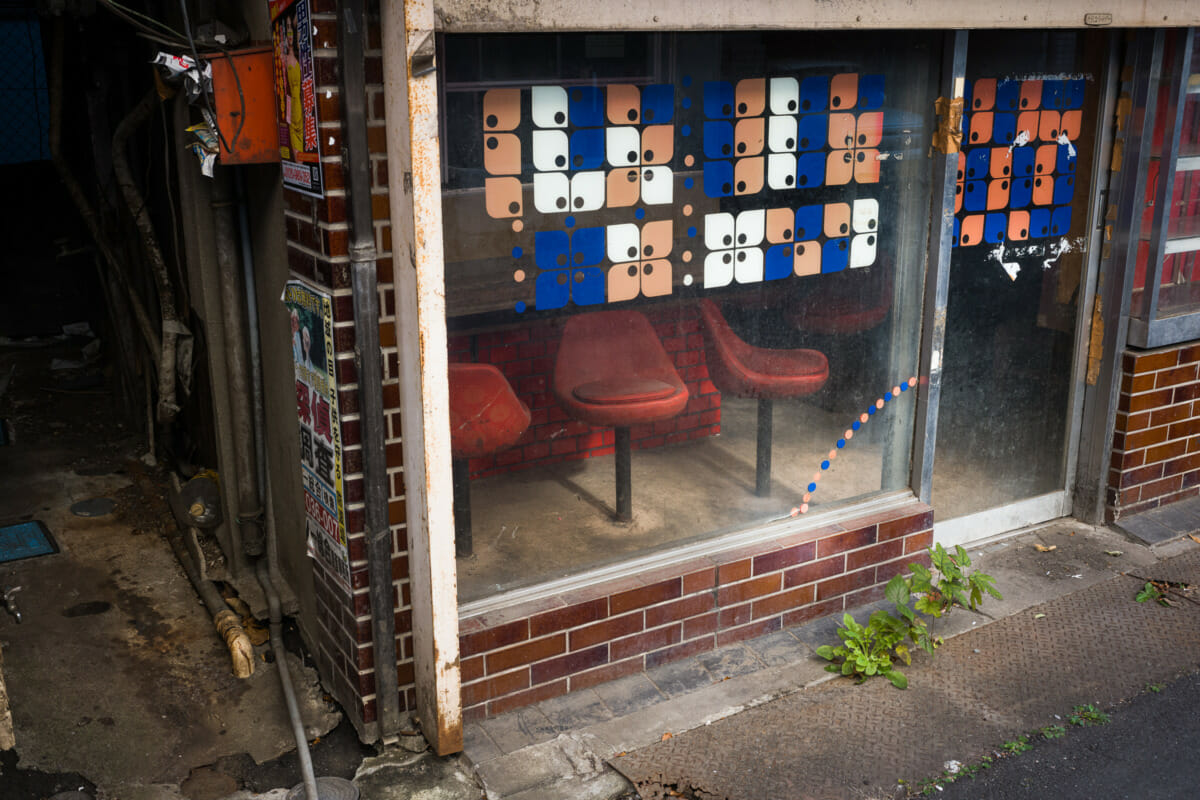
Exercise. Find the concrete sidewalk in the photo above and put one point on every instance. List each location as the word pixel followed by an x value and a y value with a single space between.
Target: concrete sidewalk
pixel 762 719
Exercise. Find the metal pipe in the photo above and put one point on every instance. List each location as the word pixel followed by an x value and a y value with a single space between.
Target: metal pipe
pixel 357 163
pixel 285 680
pixel 252 330
pixel 233 310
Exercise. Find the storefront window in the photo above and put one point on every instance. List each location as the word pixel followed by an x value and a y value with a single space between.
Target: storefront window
pixel 1169 234
pixel 683 281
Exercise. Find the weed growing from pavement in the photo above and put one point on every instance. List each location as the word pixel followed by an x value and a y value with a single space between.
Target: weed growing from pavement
pixel 1083 715
pixel 1154 687
pixel 872 649
pixel 1087 715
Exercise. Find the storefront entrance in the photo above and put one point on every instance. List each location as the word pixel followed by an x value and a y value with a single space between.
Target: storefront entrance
pixel 1008 411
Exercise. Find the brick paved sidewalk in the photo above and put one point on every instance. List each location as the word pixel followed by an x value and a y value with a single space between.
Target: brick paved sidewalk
pixel 986 686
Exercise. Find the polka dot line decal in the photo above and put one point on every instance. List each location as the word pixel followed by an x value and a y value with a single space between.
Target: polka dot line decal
pixel 1016 171
pixel 862 419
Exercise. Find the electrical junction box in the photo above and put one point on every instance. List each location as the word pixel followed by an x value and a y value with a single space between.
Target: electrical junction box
pixel 244 91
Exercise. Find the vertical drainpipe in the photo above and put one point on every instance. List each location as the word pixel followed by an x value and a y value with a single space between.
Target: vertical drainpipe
pixel 356 163
pixel 414 183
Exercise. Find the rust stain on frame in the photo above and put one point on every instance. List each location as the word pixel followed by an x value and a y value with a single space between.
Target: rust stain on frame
pixel 1096 341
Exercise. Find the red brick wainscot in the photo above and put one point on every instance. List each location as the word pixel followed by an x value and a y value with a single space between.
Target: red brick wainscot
pixel 532 652
pixel 1156 441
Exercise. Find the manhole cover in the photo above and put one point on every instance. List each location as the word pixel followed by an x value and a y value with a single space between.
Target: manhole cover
pixel 25 540
pixel 327 789
pixel 95 507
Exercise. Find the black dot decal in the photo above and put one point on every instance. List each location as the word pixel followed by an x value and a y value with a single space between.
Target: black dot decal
pixel 787 235
pixel 727 240
pixel 871 240
pixel 647 268
pixel 741 238
pixel 871 223
pixel 725 149
pixel 1024 102
pixel 974 137
pixel 842 244
pixel 791 105
pixel 649 155
pixel 631 155
pixel 861 157
pixel 789 180
pixel 726 259
pixel 804 142
pixel 492 143
pixel 742 108
pixel 803 180
pixel 579 277
pixel 561 202
pixel 726 188
pixel 741 186
pixel 632 252
pixel 1003 184
pixel 648 250
pixel 787 251
pixel 633 270
pixel 843 227
pixel 1024 232
pixel 741 148
pixel 966 238
pixel 1037 182
pixel 579 202
pixel 632 115
pixel 805 105
pixel 560 117
pixel 789 144
pixel 632 176
pixel 561 259
pixel 579 258
pixel 562 278
pixel 648 175
pixel 741 257
pixel 514 207
pixel 727 109
pixel 1006 170
pixel 492 121
pixel 862 138
pixel 649 114
pixel 560 161
pixel 836 102
pixel 978 103
pixel 578 160
pixel 799 249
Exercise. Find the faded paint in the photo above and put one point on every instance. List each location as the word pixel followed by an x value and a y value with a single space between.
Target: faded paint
pixel 688 15
pixel 1096 340
pixel 413 149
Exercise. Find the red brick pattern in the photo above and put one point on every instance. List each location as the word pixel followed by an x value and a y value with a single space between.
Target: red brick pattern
pixel 522 655
pixel 318 251
pixel 526 357
pixel 1156 441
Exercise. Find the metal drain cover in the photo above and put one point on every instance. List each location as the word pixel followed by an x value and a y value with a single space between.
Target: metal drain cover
pixel 95 507
pixel 327 789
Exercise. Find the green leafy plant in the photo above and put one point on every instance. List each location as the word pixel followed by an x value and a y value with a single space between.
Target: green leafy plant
pixel 1154 687
pixel 952 584
pixel 1053 732
pixel 867 650
pixel 1151 592
pixel 1018 745
pixel 1087 715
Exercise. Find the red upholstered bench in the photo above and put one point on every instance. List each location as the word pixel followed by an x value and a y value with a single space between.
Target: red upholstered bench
pixel 612 371
pixel 764 374
pixel 485 417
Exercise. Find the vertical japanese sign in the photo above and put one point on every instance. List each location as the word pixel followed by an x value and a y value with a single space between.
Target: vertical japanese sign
pixel 296 96
pixel 311 314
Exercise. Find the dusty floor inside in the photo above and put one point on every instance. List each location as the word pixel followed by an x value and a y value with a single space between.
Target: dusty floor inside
pixel 115 677
pixel 543 523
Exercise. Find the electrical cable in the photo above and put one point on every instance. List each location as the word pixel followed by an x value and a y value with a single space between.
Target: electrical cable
pixel 187 28
pixel 140 20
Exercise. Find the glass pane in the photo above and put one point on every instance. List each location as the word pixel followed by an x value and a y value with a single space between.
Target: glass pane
pixel 1180 287
pixel 1016 268
pixel 657 245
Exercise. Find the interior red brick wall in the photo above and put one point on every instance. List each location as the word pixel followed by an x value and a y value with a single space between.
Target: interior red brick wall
pixel 318 239
pixel 547 648
pixel 526 355
pixel 1156 441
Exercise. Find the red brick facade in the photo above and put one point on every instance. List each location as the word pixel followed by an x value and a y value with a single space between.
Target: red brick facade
pixel 545 648
pixel 526 357
pixel 1156 446
pixel 318 251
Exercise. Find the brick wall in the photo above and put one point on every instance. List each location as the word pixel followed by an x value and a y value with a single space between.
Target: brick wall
pixel 1156 440
pixel 526 357
pixel 318 251
pixel 546 648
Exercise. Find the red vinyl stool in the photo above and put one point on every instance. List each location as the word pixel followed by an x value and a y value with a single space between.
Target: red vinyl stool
pixel 612 371
pixel 767 375
pixel 485 417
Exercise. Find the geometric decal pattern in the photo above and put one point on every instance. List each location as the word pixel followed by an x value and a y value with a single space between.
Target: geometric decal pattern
pixel 618 146
pixel 1016 169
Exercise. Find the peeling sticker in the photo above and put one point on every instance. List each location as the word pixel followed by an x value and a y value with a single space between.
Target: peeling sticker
pixel 935 361
pixel 1021 140
pixel 1063 139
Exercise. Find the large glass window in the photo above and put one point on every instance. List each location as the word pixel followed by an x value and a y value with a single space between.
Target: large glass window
pixel 1169 235
pixel 683 281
